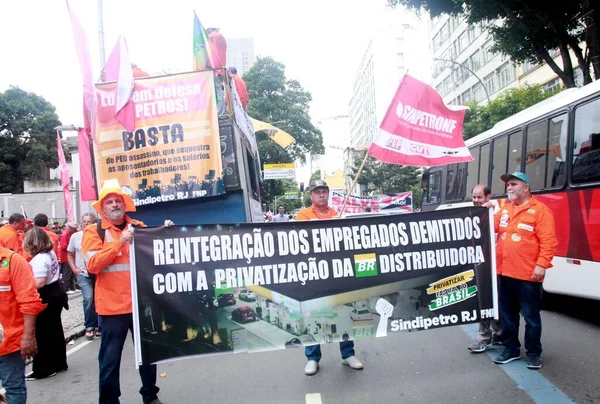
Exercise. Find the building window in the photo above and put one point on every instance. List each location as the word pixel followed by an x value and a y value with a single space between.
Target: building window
pixel 578 76
pixel 474 31
pixel 487 51
pixel 527 66
pixel 478 92
pixel 444 33
pixel 436 42
pixel 505 74
pixel 490 83
pixel 463 42
pixel 552 85
pixel 467 96
pixel 475 60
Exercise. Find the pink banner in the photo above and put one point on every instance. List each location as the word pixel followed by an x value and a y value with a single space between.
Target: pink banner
pixel 419 129
pixel 398 203
pixel 86 179
pixel 64 178
pixel 118 68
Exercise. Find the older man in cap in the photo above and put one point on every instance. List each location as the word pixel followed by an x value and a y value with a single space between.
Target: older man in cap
pixel 319 196
pixel 526 246
pixel 105 249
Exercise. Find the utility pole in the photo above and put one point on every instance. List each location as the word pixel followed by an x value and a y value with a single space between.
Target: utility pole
pixel 101 39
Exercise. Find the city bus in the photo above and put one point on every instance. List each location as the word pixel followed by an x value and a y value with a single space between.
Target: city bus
pixel 557 144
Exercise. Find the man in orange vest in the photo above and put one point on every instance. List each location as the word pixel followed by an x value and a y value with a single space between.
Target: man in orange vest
pixel 20 304
pixel 526 246
pixel 240 86
pixel 11 235
pixel 319 196
pixel 109 260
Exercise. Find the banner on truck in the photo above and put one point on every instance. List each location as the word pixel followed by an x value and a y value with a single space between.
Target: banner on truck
pixel 174 152
pixel 247 288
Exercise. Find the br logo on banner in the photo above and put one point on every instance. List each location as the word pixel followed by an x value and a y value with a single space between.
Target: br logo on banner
pixel 365 265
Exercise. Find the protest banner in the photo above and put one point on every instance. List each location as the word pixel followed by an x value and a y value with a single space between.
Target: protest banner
pixel 400 202
pixel 202 290
pixel 174 151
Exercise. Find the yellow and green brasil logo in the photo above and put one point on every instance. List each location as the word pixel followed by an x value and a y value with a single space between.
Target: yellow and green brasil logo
pixel 5 263
pixel 451 290
pixel 365 265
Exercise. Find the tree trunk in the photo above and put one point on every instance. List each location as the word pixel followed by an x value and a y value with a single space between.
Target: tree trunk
pixel 592 38
pixel 583 63
pixel 567 64
pixel 567 80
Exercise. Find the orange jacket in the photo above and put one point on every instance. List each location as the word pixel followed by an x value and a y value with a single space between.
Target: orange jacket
pixel 310 213
pixel 218 49
pixel 240 86
pixel 11 239
pixel 54 238
pixel 526 238
pixel 18 296
pixel 110 262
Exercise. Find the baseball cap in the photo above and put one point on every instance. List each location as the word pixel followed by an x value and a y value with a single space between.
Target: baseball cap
pixel 518 175
pixel 317 184
pixel 72 224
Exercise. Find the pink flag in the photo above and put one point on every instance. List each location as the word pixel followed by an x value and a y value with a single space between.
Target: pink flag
pixel 86 179
pixel 85 64
pixel 419 129
pixel 64 178
pixel 118 68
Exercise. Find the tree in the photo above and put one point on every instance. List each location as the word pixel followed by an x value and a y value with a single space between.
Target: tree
pixel 481 118
pixel 384 178
pixel 284 103
pixel 27 138
pixel 530 30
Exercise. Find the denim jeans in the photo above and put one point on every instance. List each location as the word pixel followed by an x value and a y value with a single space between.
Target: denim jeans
pixel 516 295
pixel 313 352
pixel 90 318
pixel 12 374
pixel 114 334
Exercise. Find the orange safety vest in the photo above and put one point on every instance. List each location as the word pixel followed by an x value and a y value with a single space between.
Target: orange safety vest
pixel 526 238
pixel 310 213
pixel 18 296
pixel 54 238
pixel 11 239
pixel 109 260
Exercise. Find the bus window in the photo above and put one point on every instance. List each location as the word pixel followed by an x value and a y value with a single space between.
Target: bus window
pixel 535 154
pixel 586 145
pixel 499 164
pixel 557 145
pixel 472 170
pixel 484 156
pixel 434 188
pixel 457 174
pixel 515 149
pixel 451 181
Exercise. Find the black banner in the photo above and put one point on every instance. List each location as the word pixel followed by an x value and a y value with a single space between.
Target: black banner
pixel 245 288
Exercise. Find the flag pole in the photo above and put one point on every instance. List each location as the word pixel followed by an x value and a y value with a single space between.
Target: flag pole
pixel 354 183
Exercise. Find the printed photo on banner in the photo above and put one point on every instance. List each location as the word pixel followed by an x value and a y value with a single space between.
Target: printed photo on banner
pixel 174 151
pixel 214 289
pixel 386 203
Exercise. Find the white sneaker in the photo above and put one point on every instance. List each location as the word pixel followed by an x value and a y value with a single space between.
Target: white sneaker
pixel 311 368
pixel 353 363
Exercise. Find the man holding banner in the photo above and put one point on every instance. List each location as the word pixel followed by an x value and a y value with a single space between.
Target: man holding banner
pixel 106 251
pixel 319 196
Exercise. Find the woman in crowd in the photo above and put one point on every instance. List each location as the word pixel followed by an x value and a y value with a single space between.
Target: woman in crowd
pixel 52 351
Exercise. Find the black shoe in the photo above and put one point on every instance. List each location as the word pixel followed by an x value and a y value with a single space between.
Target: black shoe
pixel 534 362
pixel 33 376
pixel 507 356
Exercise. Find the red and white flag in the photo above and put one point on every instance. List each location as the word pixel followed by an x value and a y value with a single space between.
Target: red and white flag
pixel 118 68
pixel 419 129
pixel 64 179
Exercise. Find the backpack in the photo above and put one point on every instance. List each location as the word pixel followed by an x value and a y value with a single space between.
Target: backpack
pixel 100 230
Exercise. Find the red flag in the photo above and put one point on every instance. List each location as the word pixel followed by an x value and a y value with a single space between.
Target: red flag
pixel 118 68
pixel 419 129
pixel 86 180
pixel 64 178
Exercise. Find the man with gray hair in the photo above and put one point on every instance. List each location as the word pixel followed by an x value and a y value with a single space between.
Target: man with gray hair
pixel 85 280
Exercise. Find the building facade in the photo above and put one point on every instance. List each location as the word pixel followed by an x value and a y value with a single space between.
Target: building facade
pixel 240 53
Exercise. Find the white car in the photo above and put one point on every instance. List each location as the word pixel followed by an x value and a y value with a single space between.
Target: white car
pixel 361 314
pixel 247 295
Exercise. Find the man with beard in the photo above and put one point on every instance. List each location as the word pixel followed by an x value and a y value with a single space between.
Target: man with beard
pixel 526 246
pixel 106 252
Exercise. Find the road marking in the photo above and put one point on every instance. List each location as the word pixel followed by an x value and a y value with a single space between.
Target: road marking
pixel 313 398
pixel 540 389
pixel 78 347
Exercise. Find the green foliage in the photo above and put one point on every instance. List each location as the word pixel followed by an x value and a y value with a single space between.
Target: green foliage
pixel 530 30
pixel 27 138
pixel 481 118
pixel 284 103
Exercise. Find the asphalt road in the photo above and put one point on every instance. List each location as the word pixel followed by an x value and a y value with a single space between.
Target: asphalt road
pixel 416 367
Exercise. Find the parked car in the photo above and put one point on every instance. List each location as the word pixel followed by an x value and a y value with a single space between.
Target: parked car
pixel 302 340
pixel 247 295
pixel 244 314
pixel 361 314
pixel 226 299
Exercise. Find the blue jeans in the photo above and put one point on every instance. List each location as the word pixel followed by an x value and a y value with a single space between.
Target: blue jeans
pixel 313 352
pixel 114 334
pixel 12 374
pixel 89 308
pixel 516 295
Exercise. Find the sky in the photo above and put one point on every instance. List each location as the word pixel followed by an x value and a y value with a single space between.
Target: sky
pixel 320 42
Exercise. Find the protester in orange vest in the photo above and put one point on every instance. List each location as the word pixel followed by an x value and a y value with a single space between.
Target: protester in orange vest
pixel 240 86
pixel 20 304
pixel 525 248
pixel 11 235
pixel 319 196
pixel 41 220
pixel 109 259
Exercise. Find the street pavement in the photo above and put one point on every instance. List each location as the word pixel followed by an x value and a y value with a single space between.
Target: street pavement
pixel 411 367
